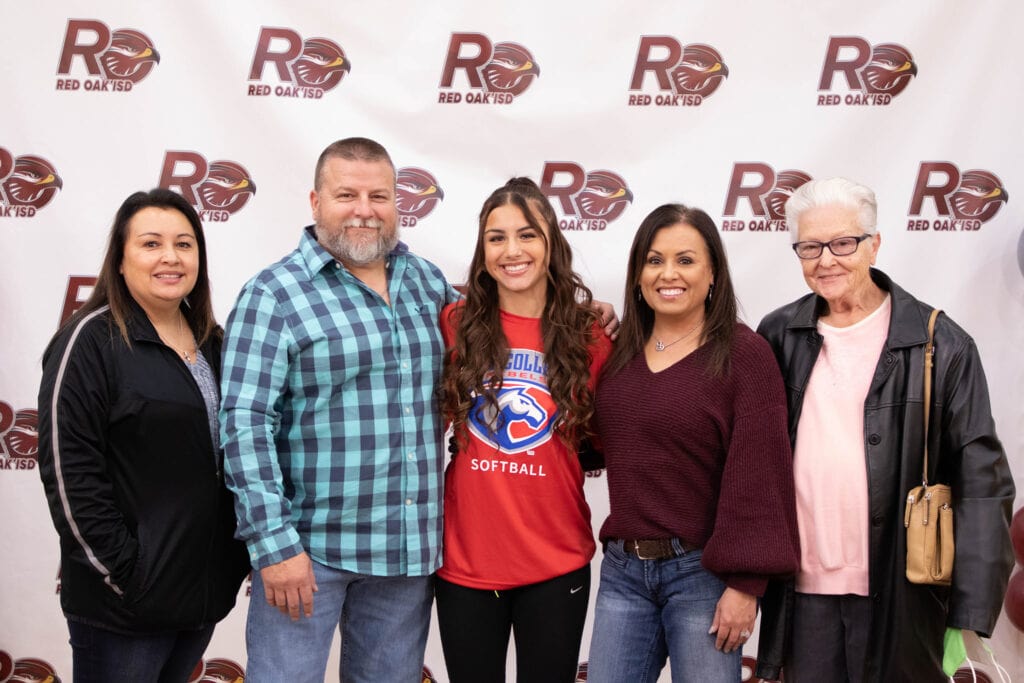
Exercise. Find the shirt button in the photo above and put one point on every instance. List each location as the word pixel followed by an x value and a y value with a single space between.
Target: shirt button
pixel 412 456
pixel 408 501
pixel 408 410
pixel 874 439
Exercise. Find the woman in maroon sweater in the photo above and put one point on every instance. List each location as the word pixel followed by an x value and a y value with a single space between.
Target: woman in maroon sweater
pixel 691 411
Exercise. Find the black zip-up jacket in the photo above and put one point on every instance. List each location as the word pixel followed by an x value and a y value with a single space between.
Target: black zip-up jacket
pixel 909 620
pixel 134 486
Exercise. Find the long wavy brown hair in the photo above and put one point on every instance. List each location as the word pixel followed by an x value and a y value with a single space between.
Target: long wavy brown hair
pixel 719 309
pixel 474 366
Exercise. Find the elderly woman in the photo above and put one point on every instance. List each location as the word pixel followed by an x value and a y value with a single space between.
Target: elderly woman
pixel 129 454
pixel 852 354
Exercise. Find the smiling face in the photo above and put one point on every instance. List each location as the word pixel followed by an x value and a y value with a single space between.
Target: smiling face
pixel 837 279
pixel 677 273
pixel 161 258
pixel 354 210
pixel 516 256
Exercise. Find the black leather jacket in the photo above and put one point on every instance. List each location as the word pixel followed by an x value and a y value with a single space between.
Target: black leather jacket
pixel 135 488
pixel 909 620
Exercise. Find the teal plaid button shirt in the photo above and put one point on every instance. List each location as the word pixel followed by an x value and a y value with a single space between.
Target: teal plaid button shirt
pixel 332 436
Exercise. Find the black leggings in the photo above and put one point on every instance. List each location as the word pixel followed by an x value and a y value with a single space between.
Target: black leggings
pixel 547 619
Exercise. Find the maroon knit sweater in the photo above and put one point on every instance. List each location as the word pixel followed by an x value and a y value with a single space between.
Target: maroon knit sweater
pixel 704 459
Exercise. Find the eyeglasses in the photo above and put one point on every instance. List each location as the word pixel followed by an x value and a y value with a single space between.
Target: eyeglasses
pixel 840 246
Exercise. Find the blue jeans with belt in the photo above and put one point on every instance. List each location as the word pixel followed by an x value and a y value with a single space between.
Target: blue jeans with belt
pixel 652 610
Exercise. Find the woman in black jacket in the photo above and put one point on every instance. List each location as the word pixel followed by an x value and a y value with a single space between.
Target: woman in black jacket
pixel 129 454
pixel 852 356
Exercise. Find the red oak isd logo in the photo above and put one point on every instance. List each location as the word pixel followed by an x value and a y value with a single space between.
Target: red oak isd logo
pixel 588 200
pixel 428 675
pixel 26 670
pixel 874 75
pixel 765 192
pixel 417 195
pixel 19 438
pixel 76 293
pixel 216 189
pixel 747 669
pixel 115 59
pixel 305 68
pixel 962 200
pixel 217 671
pixel 27 183
pixel 497 73
pixel 686 74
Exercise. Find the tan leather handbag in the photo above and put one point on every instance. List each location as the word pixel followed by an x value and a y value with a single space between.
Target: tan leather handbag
pixel 929 514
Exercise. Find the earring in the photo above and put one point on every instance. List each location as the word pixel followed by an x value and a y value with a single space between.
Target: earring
pixel 711 288
pixel 639 295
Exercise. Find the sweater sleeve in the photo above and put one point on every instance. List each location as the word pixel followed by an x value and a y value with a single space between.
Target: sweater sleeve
pixel 755 535
pixel 74 405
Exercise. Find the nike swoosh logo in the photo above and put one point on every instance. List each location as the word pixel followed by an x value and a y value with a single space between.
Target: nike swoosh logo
pixel 574 591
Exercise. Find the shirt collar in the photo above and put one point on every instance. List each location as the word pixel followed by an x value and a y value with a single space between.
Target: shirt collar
pixel 908 324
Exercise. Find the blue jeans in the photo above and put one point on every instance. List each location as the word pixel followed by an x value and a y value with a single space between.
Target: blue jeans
pixel 383 622
pixel 102 656
pixel 650 610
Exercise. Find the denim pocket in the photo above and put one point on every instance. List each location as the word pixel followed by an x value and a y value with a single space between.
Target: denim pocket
pixel 614 554
pixel 687 563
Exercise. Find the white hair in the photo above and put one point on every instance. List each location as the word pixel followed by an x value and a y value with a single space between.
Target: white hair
pixel 832 191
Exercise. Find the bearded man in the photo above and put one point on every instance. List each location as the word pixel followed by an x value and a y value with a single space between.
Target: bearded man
pixel 333 441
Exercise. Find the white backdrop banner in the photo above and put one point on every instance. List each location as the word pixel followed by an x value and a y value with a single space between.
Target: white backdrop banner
pixel 614 108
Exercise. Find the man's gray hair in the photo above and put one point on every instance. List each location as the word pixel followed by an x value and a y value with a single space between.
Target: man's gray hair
pixel 351 149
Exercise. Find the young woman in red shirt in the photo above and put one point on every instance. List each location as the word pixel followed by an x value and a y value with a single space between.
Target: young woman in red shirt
pixel 526 348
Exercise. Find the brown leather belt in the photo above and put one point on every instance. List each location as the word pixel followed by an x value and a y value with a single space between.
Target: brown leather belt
pixel 656 549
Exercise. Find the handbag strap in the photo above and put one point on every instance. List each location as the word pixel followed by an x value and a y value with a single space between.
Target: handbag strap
pixel 929 355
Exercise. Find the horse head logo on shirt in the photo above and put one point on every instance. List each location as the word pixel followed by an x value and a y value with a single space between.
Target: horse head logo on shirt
pixel 522 421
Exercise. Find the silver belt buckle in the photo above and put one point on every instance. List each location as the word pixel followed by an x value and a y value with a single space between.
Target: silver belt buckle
pixel 636 549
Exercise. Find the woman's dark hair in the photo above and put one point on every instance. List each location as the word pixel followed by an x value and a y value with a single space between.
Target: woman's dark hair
pixel 111 290
pixel 719 311
pixel 477 361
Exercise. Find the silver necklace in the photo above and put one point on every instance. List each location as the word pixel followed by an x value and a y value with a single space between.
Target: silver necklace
pixel 661 346
pixel 185 354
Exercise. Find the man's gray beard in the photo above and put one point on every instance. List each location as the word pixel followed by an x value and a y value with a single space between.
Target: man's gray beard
pixel 359 253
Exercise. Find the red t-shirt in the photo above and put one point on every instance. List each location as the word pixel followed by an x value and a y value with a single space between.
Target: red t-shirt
pixel 514 510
